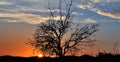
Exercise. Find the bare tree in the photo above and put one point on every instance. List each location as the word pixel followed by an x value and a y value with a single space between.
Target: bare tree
pixel 59 37
pixel 115 48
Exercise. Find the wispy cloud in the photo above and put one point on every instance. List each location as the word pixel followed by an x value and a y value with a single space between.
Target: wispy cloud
pixel 87 20
pixel 83 6
pixel 108 14
pixel 32 0
pixel 103 1
pixel 90 21
pixel 111 14
pixel 95 1
pixel 23 13
pixel 5 3
pixel 32 11
pixel 22 17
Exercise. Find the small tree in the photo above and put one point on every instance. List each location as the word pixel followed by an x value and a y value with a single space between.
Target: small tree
pixel 115 48
pixel 60 37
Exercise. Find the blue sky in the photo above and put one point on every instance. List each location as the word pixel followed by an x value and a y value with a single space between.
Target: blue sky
pixel 35 11
pixel 21 16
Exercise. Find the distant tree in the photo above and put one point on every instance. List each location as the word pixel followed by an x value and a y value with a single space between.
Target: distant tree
pixel 115 48
pixel 61 36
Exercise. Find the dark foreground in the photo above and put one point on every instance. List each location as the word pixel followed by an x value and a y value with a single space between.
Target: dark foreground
pixel 85 58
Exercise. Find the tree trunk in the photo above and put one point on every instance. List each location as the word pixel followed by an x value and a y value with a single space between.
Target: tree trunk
pixel 60 57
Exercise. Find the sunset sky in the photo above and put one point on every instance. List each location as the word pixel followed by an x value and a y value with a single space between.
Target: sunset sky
pixel 19 18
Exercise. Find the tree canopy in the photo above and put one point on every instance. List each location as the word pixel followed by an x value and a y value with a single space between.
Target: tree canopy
pixel 62 36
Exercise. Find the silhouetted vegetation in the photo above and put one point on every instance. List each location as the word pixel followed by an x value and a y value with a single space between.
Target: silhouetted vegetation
pixel 85 58
pixel 61 36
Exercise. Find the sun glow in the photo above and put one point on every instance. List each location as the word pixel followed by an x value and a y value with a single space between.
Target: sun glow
pixel 40 55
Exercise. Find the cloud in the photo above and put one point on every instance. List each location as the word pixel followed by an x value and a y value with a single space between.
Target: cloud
pixel 5 3
pixel 89 21
pixel 108 14
pixel 95 1
pixel 109 1
pixel 104 1
pixel 20 11
pixel 24 9
pixel 32 11
pixel 32 0
pixel 112 14
pixel 85 6
pixel 22 17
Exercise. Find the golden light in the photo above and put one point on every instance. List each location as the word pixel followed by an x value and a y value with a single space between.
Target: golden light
pixel 40 55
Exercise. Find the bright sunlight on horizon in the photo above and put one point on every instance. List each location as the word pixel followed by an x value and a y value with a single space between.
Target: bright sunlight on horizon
pixel 40 55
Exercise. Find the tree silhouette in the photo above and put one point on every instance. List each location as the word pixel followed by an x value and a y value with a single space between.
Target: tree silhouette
pixel 62 36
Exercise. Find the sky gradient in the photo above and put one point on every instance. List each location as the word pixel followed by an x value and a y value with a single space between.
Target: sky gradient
pixel 19 18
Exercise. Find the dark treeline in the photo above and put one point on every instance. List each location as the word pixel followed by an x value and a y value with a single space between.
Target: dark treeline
pixel 85 58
